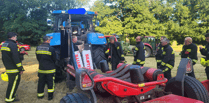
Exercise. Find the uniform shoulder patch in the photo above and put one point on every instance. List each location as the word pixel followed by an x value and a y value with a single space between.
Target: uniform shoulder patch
pixel 5 44
pixel 43 48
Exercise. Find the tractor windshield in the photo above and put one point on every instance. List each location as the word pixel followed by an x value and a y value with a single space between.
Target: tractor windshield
pixel 82 21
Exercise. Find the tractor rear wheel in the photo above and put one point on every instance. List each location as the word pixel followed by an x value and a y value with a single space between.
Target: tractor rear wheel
pixel 192 89
pixel 75 98
pixel 98 54
pixel 147 52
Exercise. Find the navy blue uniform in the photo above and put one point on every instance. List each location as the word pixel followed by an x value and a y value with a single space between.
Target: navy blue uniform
pixel 205 52
pixel 190 51
pixel 12 62
pixel 168 60
pixel 139 54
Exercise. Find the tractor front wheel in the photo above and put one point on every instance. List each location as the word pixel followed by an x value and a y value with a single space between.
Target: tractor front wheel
pixel 98 54
pixel 147 52
pixel 192 89
pixel 75 98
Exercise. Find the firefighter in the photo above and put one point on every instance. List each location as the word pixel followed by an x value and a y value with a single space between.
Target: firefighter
pixel 168 58
pixel 189 50
pixel 114 52
pixel 159 52
pixel 46 57
pixel 205 52
pixel 13 65
pixel 139 52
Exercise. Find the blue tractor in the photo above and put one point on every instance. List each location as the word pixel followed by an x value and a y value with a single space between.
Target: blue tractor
pixel 79 22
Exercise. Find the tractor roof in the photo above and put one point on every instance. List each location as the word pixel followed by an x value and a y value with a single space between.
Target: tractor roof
pixel 76 14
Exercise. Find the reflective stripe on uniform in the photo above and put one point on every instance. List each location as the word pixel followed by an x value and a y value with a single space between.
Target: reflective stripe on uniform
pixel 118 47
pixel 162 63
pixel 122 55
pixel 18 64
pixel 47 71
pixel 40 94
pixel 107 51
pixel 134 62
pixel 9 100
pixel 5 48
pixel 158 61
pixel 138 60
pixel 142 62
pixel 169 66
pixel 165 70
pixel 52 90
pixel 164 52
pixel 189 50
pixel 136 49
pixel 43 52
pixel 13 87
pixel 12 71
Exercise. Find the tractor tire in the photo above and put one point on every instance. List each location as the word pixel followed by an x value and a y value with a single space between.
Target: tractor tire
pixel 75 98
pixel 98 54
pixel 192 89
pixel 147 52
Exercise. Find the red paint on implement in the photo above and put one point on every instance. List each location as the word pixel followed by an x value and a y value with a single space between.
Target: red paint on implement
pixel 171 98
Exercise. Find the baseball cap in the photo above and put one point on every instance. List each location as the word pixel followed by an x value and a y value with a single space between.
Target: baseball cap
pixel 11 34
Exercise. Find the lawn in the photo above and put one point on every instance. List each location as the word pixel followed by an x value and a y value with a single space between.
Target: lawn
pixel 28 86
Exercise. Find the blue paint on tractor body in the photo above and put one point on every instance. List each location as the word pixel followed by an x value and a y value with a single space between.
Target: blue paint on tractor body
pixel 56 40
pixel 80 11
pixel 96 38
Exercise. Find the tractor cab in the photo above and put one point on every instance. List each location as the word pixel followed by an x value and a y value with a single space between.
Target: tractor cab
pixel 150 44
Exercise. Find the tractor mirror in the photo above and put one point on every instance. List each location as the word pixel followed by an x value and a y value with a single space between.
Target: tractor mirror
pixel 83 80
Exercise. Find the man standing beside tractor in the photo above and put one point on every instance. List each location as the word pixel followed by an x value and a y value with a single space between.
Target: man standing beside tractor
pixel 189 50
pixel 139 52
pixel 205 52
pixel 13 65
pixel 46 57
pixel 114 52
pixel 168 58
pixel 159 53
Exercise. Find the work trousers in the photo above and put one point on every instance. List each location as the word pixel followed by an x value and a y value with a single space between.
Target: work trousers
pixel 167 72
pixel 115 62
pixel 207 72
pixel 45 79
pixel 14 80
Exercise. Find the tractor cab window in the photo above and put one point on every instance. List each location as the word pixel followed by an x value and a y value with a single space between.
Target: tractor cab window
pixel 150 40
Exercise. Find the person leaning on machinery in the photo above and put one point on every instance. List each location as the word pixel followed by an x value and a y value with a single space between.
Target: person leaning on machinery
pixel 189 50
pixel 46 57
pixel 205 51
pixel 168 58
pixel 13 65
pixel 159 53
pixel 114 52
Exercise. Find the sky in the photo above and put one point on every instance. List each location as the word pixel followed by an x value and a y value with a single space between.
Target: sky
pixel 91 3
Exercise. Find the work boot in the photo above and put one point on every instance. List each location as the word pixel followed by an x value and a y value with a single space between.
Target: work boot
pixel 50 96
pixel 15 100
pixel 41 97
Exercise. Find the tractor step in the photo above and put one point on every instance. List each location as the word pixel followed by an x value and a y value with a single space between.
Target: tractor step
pixel 171 98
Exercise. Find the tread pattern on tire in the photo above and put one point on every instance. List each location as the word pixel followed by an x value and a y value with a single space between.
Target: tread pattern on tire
pixel 98 52
pixel 148 48
pixel 193 88
pixel 75 98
